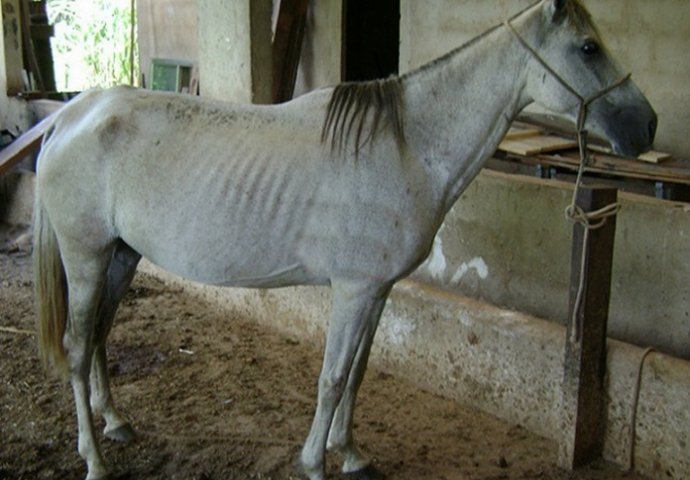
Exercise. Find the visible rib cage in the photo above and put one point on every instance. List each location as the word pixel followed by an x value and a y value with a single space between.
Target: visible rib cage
pixel 348 110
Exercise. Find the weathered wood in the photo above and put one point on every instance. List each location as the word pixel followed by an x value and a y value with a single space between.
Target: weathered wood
pixel 535 144
pixel 670 171
pixel 585 353
pixel 25 145
pixel 518 133
pixel 651 156
pixel 30 58
pixel 12 33
pixel 287 47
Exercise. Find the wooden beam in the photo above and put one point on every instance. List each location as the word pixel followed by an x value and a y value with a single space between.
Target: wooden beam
pixel 583 400
pixel 12 33
pixel 672 171
pixel 28 143
pixel 287 47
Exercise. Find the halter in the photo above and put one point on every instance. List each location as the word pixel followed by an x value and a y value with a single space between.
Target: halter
pixel 589 220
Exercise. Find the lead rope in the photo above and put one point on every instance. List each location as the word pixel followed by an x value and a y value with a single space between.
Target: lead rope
pixel 589 220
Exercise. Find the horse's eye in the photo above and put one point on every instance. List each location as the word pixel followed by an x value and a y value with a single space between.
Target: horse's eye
pixel 590 47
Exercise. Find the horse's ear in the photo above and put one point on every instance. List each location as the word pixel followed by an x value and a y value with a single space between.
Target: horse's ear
pixel 557 10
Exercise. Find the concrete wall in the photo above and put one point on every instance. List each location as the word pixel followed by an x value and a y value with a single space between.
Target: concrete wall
pixel 166 29
pixel 235 50
pixel 649 38
pixel 507 242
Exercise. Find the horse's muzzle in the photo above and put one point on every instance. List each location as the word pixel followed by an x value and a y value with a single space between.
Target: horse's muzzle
pixel 631 131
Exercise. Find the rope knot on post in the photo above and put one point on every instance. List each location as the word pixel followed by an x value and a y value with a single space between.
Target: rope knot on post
pixel 591 220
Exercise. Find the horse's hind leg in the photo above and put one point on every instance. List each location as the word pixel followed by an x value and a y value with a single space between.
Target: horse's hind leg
pixel 85 269
pixel 119 276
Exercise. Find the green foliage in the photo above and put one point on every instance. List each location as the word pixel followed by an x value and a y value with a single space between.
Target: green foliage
pixel 92 43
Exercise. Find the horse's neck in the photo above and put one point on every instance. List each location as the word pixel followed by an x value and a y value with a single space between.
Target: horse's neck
pixel 459 108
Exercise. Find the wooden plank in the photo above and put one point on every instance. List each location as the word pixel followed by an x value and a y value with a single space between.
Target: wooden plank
pixel 654 157
pixel 25 145
pixel 584 365
pixel 535 145
pixel 616 166
pixel 287 47
pixel 518 133
pixel 651 156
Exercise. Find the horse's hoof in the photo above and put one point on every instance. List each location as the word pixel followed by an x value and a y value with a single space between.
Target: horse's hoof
pixel 124 433
pixel 100 477
pixel 302 473
pixel 369 472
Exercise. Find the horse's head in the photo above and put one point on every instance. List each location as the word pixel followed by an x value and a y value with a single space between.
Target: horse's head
pixel 564 39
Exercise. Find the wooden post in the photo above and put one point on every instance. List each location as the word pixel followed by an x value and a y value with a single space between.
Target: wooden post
pixel 12 43
pixel 287 46
pixel 583 401
pixel 28 143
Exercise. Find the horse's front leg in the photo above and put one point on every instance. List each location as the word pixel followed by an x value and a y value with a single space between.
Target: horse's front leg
pixel 341 438
pixel 355 306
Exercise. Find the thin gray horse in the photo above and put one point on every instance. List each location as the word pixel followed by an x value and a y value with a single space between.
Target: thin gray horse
pixel 345 186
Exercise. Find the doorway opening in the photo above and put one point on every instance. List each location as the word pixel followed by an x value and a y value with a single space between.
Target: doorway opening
pixel 371 43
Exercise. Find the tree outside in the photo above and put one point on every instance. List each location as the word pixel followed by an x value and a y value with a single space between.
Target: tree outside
pixel 93 43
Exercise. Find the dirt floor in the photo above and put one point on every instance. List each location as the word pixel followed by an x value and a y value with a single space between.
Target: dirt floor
pixel 220 398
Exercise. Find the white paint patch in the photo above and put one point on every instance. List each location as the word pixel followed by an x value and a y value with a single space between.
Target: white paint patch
pixel 436 263
pixel 477 264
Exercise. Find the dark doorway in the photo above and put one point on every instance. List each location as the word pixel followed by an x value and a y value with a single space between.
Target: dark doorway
pixel 372 39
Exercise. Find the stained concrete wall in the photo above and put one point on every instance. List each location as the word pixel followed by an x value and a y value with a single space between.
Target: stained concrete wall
pixel 649 38
pixel 507 242
pixel 166 29
pixel 235 49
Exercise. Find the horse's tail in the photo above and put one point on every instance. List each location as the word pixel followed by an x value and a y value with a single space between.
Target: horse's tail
pixel 50 287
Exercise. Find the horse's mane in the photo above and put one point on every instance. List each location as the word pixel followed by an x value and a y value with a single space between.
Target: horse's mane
pixel 348 112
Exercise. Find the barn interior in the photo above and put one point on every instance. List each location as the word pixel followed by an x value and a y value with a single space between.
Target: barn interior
pixel 485 320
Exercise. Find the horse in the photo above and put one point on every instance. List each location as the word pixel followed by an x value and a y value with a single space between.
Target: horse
pixel 345 186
